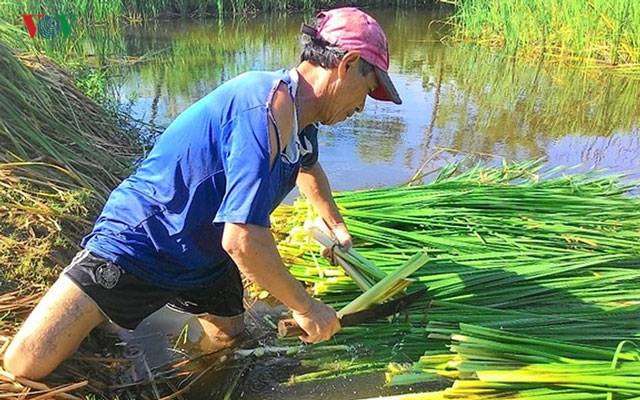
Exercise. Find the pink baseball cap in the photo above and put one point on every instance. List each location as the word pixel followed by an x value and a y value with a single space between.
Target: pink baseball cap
pixel 352 29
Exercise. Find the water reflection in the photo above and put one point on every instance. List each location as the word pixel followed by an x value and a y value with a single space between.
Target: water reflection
pixel 459 97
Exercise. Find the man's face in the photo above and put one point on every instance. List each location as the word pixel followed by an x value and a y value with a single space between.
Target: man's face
pixel 350 90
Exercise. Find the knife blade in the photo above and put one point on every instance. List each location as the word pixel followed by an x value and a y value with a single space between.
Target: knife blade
pixel 289 327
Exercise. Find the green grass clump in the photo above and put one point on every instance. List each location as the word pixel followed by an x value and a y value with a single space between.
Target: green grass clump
pixel 37 227
pixel 603 31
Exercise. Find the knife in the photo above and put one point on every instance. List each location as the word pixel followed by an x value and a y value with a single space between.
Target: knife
pixel 289 327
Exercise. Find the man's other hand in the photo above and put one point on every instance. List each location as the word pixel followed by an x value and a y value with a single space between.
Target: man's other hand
pixel 320 323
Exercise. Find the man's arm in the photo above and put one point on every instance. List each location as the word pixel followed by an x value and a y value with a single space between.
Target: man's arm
pixel 250 155
pixel 254 251
pixel 315 185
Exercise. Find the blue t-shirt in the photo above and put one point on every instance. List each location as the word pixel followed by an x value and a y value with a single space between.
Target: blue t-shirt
pixel 211 165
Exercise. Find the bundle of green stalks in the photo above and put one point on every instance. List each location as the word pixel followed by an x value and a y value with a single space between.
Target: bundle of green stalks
pixel 485 228
pixel 537 252
pixel 490 364
pixel 578 31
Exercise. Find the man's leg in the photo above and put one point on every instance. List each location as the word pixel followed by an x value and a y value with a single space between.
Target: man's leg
pixel 219 309
pixel 53 331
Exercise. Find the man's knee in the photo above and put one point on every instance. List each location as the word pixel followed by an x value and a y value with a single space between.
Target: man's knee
pixel 52 332
pixel 236 325
pixel 222 327
pixel 20 360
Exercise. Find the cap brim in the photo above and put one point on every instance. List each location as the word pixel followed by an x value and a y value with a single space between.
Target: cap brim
pixel 385 91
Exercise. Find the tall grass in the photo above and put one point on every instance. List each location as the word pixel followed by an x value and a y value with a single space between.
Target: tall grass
pixel 112 10
pixel 603 31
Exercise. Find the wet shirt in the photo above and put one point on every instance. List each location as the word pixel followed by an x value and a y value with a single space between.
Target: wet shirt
pixel 164 223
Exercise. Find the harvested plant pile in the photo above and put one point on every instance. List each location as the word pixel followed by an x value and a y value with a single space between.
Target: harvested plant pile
pixel 550 257
pixel 60 155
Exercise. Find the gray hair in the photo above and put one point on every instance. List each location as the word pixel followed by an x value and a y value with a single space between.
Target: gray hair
pixel 320 52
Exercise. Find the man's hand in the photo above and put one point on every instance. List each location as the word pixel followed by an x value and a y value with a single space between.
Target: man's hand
pixel 315 185
pixel 341 234
pixel 320 322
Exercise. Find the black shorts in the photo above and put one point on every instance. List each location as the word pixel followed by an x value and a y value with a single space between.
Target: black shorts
pixel 127 300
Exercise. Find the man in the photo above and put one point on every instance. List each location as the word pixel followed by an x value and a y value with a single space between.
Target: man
pixel 197 209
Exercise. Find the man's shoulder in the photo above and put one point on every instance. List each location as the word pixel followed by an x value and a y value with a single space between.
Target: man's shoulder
pixel 253 82
pixel 244 92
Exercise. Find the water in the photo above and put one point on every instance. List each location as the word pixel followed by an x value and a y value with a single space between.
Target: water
pixel 459 101
pixel 167 337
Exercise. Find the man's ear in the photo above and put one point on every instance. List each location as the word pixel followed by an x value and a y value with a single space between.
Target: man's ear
pixel 350 60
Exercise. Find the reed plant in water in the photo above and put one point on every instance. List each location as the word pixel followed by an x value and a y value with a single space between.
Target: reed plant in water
pixel 136 10
pixel 597 31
